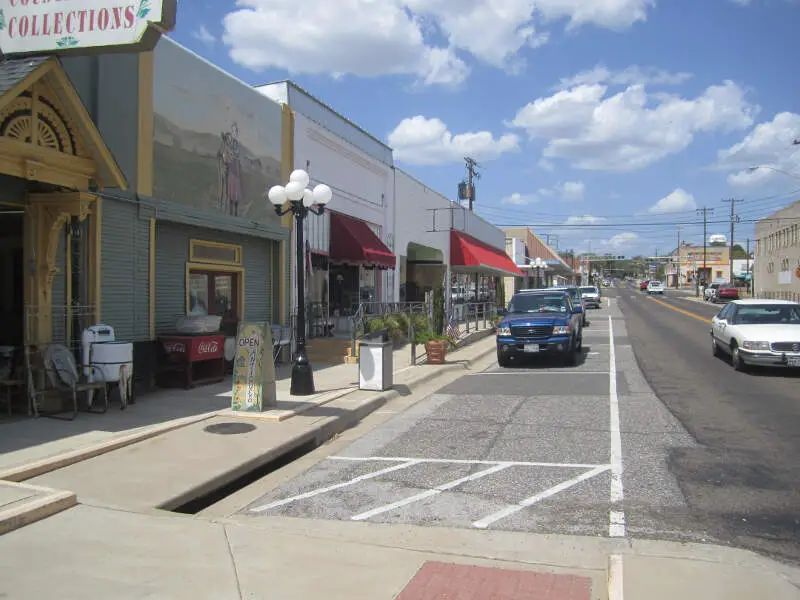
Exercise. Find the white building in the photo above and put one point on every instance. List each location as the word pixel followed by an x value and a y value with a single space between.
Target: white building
pixel 351 244
pixel 777 259
pixel 439 241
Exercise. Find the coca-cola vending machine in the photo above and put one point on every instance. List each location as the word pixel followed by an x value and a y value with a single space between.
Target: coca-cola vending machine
pixel 191 360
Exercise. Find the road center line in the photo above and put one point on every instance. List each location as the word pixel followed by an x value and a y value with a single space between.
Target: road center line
pixel 515 508
pixel 330 488
pixel 616 492
pixel 683 312
pixel 428 493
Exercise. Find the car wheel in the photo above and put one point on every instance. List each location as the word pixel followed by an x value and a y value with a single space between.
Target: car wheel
pixel 736 359
pixel 571 359
pixel 503 361
pixel 715 347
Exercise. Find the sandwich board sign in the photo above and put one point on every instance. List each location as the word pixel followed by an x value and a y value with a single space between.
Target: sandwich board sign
pixel 253 369
pixel 55 26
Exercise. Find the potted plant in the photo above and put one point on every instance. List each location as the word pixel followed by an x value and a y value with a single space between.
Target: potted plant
pixel 434 339
pixel 435 345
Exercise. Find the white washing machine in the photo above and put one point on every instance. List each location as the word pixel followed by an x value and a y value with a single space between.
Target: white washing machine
pixel 112 360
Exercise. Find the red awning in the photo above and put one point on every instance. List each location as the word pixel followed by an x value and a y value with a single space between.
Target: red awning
pixel 354 243
pixel 470 254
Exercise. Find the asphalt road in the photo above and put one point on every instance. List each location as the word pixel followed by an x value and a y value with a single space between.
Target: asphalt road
pixel 741 481
pixel 541 448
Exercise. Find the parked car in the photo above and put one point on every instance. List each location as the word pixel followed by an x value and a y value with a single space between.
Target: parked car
pixel 710 292
pixel 643 285
pixel 590 296
pixel 655 287
pixel 540 322
pixel 573 291
pixel 726 293
pixel 758 333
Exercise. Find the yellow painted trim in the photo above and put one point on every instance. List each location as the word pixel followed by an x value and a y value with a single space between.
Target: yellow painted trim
pixel 236 248
pixel 68 286
pixel 144 170
pixel 36 163
pixel 287 166
pixel 151 281
pixel 205 267
pixel 96 258
pixel 27 82
pixel 683 312
pixel 34 141
pixel 78 112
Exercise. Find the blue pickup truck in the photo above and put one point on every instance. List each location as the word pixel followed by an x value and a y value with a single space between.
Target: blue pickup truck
pixel 540 323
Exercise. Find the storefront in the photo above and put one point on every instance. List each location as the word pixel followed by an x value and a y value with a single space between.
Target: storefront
pixel 357 259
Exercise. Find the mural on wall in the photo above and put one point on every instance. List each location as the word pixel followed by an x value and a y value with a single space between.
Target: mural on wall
pixel 217 141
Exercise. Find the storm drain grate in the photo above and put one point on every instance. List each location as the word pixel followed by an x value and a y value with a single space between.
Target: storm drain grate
pixel 229 428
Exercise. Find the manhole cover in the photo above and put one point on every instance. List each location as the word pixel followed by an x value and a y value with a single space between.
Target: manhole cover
pixel 229 428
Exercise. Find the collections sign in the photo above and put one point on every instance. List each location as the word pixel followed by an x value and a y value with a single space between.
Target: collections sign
pixel 253 369
pixel 31 26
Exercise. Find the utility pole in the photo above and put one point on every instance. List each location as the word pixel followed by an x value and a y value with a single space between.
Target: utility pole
pixel 472 176
pixel 733 202
pixel 678 271
pixel 705 211
pixel 747 268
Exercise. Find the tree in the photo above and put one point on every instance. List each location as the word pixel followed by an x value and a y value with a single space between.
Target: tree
pixel 739 252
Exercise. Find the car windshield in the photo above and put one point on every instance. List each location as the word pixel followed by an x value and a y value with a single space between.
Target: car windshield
pixel 768 314
pixel 589 290
pixel 538 303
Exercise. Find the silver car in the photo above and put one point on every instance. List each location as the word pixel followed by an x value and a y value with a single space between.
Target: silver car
pixel 591 296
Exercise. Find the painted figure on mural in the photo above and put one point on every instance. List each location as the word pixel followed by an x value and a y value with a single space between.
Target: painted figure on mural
pixel 230 171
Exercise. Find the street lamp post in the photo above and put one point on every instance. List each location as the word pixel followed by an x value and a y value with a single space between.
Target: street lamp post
pixel 301 201
pixel 538 263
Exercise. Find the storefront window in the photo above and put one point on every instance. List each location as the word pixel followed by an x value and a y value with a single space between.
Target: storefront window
pixel 214 293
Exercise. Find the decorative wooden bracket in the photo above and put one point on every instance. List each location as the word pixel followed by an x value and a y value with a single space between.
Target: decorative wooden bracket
pixel 48 213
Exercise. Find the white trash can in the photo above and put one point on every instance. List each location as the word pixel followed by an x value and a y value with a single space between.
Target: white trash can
pixel 375 362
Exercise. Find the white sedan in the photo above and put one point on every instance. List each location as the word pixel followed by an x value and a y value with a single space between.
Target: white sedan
pixel 758 332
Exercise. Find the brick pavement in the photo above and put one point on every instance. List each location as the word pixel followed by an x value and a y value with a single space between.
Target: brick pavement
pixel 444 581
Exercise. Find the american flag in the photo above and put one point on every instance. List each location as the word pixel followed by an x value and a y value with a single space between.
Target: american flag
pixel 453 330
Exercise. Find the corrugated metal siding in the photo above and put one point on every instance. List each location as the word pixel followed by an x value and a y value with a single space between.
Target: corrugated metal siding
pixel 125 264
pixel 172 254
pixel 59 293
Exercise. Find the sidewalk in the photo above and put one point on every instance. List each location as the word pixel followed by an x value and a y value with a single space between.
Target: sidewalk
pixel 102 548
pixel 90 552
pixel 27 440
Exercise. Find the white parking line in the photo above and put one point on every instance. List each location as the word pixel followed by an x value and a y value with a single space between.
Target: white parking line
pixel 515 508
pixel 428 493
pixel 457 461
pixel 409 463
pixel 616 527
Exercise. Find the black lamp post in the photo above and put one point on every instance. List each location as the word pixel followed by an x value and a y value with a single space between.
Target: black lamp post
pixel 301 201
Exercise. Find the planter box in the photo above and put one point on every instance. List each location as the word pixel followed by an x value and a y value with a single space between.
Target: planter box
pixel 436 352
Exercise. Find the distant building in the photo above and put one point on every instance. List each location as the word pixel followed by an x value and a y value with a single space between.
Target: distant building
pixel 690 261
pixel 777 259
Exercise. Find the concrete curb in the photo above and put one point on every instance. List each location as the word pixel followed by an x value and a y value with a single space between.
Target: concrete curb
pixel 34 509
pixel 46 465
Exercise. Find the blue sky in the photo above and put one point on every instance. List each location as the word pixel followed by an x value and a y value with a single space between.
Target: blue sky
pixel 605 123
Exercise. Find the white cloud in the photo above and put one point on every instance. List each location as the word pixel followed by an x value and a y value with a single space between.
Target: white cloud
pixel 571 191
pixel 622 240
pixel 677 201
pixel 546 165
pixel 770 146
pixel 422 141
pixel 629 76
pixel 520 199
pixel 630 130
pixel 368 37
pixel 204 35
pixel 584 220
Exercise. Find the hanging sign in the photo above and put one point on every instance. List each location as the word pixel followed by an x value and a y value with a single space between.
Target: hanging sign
pixel 47 26
pixel 253 369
